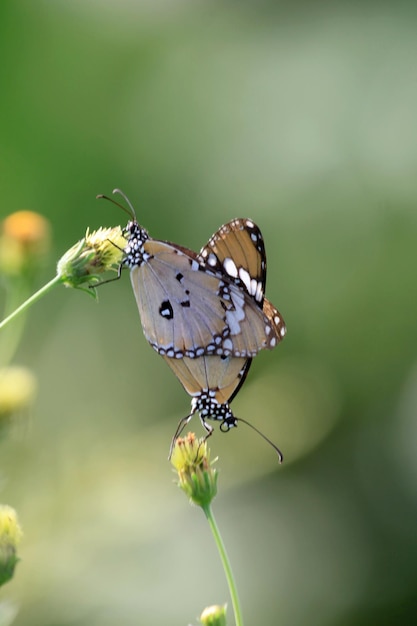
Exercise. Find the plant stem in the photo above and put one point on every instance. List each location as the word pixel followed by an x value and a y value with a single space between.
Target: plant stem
pixel 34 298
pixel 16 291
pixel 226 564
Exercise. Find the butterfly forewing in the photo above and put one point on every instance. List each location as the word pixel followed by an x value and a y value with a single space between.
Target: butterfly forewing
pixel 237 249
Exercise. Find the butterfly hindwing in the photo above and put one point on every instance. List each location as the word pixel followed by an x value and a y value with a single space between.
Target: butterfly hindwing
pixel 220 375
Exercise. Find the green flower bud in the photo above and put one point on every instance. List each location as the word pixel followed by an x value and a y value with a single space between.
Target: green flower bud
pixel 214 616
pixel 197 477
pixel 98 252
pixel 10 535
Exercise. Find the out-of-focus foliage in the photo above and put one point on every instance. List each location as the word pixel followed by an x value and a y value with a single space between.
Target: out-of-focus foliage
pixel 301 116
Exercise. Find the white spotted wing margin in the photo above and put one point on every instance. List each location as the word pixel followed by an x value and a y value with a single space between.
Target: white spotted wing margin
pixel 187 310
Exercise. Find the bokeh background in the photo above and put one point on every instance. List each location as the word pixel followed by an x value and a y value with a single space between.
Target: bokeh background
pixel 301 116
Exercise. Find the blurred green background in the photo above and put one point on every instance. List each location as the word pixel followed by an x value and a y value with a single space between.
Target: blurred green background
pixel 301 116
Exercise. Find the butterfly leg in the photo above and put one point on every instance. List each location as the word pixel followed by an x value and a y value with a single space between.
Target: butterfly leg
pixel 109 280
pixel 181 425
pixel 208 428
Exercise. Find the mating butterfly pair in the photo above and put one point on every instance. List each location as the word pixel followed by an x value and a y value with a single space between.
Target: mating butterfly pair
pixel 206 314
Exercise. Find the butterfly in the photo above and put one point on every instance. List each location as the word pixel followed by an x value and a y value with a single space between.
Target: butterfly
pixel 206 314
pixel 213 381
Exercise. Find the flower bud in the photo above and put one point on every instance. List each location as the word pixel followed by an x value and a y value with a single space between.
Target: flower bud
pixel 214 616
pixel 10 535
pixel 197 477
pixel 98 252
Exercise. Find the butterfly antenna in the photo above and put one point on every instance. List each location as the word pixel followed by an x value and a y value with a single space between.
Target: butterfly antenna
pixel 126 199
pixel 130 213
pixel 277 450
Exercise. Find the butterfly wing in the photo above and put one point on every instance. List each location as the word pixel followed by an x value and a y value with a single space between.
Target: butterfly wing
pixel 237 249
pixel 187 310
pixel 222 376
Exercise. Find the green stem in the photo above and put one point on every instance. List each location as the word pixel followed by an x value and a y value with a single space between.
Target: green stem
pixel 27 303
pixel 226 564
pixel 16 291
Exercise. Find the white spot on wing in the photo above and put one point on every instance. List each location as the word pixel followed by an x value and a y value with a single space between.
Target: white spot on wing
pixel 233 322
pixel 230 267
pixel 259 293
pixel 239 303
pixel 236 315
pixel 245 278
pixel 212 259
pixel 228 344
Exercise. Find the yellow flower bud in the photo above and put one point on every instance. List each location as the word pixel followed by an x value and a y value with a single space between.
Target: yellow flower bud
pixel 214 616
pixel 98 252
pixel 196 475
pixel 10 535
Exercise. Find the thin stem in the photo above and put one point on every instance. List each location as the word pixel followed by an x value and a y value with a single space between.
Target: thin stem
pixel 16 291
pixel 34 298
pixel 226 564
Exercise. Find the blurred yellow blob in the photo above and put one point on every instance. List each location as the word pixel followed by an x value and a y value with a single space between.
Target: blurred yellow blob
pixel 24 241
pixel 18 389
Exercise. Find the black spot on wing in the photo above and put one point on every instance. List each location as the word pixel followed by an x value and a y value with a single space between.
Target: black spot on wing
pixel 166 310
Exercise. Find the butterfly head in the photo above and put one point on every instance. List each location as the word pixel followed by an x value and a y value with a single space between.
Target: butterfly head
pixel 209 408
pixel 134 251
